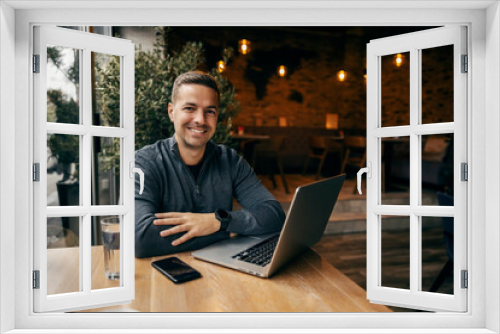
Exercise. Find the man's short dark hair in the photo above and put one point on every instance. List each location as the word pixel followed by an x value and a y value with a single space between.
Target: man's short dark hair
pixel 197 78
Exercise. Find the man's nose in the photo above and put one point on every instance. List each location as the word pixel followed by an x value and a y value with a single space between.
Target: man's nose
pixel 199 117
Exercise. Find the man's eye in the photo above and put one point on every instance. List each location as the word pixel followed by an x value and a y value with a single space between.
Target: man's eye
pixel 188 108
pixel 211 112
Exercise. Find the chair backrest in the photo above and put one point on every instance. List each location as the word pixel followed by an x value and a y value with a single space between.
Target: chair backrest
pixel 355 142
pixel 355 151
pixel 317 142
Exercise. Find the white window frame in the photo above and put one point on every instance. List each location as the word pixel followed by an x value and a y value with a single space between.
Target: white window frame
pixel 86 43
pixel 483 125
pixel 415 43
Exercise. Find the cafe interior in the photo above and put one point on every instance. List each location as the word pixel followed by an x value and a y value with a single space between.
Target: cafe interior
pixel 301 94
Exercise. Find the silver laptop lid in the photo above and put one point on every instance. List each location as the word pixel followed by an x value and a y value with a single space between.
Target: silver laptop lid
pixel 306 221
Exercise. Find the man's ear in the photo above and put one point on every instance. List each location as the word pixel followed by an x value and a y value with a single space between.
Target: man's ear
pixel 171 111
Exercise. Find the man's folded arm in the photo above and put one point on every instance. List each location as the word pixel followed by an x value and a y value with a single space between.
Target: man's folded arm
pixel 148 241
pixel 261 213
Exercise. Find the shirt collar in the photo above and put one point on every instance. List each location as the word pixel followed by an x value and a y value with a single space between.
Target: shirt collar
pixel 174 146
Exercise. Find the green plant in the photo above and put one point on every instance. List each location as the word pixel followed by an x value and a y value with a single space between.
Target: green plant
pixel 155 72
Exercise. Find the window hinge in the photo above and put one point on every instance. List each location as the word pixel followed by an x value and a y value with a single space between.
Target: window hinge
pixel 465 279
pixel 36 63
pixel 464 172
pixel 36 279
pixel 465 64
pixel 36 172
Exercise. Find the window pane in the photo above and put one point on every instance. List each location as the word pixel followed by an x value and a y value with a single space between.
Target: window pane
pixel 437 254
pixel 63 85
pixel 395 89
pixel 437 170
pixel 105 90
pixel 63 250
pixel 395 232
pixel 106 171
pixel 437 85
pixel 63 156
pixel 106 253
pixel 395 171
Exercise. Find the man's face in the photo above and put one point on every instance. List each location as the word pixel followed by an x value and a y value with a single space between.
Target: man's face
pixel 194 114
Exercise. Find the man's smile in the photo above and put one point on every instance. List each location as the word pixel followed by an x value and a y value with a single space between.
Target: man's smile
pixel 196 130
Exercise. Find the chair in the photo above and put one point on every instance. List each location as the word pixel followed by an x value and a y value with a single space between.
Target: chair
pixel 319 148
pixel 355 152
pixel 271 150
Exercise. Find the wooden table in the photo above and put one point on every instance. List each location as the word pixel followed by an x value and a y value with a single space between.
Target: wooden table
pixel 308 284
pixel 250 137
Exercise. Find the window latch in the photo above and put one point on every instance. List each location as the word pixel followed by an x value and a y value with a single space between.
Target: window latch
pixel 368 171
pixel 132 171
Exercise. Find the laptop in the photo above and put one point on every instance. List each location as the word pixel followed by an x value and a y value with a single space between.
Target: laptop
pixel 305 224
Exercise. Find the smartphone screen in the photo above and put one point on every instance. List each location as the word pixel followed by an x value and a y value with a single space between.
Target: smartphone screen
pixel 176 270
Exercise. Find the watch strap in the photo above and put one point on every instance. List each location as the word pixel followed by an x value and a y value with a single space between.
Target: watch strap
pixel 222 216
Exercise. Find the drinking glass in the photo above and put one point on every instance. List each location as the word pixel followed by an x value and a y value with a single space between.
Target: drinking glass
pixel 110 227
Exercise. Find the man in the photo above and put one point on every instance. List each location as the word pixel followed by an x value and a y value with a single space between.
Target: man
pixel 190 181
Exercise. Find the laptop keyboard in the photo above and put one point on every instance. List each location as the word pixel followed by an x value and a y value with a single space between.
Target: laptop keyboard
pixel 259 254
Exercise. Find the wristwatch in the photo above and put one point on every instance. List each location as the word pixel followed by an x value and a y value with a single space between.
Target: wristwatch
pixel 222 216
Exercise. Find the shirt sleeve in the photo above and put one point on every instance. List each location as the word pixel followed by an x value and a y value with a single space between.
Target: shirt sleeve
pixel 261 213
pixel 148 241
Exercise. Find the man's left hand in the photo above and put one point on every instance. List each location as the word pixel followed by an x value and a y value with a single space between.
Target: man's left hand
pixel 194 224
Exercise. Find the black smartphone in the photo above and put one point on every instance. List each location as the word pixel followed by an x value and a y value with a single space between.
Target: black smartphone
pixel 176 270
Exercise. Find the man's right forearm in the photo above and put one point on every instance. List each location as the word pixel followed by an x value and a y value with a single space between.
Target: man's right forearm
pixel 148 241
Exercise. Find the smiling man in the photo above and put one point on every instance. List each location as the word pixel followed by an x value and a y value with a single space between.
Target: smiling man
pixel 190 181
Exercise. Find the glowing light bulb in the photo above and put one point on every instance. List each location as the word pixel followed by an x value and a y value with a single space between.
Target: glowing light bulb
pixel 282 70
pixel 221 66
pixel 244 46
pixel 341 75
pixel 399 59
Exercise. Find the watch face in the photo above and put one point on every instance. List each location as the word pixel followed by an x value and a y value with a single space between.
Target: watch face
pixel 223 213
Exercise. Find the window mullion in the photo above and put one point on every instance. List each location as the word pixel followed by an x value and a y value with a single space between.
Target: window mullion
pixel 86 166
pixel 80 211
pixel 415 170
pixel 86 254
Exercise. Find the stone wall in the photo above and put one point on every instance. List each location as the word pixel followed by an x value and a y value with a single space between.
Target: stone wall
pixel 311 90
pixel 319 92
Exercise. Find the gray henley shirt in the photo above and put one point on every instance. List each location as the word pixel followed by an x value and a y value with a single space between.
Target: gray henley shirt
pixel 169 186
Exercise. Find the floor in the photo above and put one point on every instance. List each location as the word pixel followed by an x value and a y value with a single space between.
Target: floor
pixel 347 251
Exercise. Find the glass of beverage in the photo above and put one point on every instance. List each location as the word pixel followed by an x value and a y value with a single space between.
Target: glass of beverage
pixel 110 227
